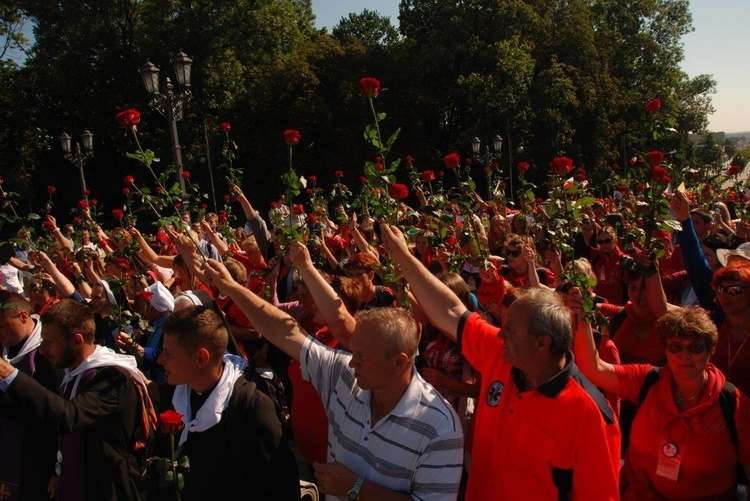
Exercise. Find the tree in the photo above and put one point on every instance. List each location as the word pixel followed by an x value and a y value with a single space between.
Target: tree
pixel 369 27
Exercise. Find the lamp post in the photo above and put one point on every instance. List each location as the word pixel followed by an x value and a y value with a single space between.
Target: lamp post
pixel 519 150
pixel 488 157
pixel 78 156
pixel 169 104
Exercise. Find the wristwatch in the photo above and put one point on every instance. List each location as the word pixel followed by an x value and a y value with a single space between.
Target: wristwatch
pixel 353 494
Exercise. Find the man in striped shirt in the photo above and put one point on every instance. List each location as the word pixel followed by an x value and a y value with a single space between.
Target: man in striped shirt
pixel 391 435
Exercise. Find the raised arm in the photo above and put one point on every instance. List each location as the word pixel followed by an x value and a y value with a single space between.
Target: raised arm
pixel 441 305
pixel 59 237
pixel 279 328
pixel 148 253
pixel 599 372
pixel 64 286
pixel 340 322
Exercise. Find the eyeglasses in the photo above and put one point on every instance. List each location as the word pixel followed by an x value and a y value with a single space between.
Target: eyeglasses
pixel 514 253
pixel 604 241
pixel 731 290
pixel 695 348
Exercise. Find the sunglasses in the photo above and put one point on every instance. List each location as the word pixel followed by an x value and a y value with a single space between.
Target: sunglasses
pixel 695 348
pixel 605 241
pixel 731 290
pixel 514 253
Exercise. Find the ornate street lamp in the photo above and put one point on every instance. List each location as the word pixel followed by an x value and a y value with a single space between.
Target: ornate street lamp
pixel 170 105
pixel 487 157
pixel 78 156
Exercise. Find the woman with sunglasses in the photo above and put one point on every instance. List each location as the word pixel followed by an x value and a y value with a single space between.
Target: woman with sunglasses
pixel 727 296
pixel 680 443
pixel 516 272
pixel 605 260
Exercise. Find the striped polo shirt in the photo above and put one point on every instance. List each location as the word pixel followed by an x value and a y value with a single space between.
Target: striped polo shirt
pixel 417 448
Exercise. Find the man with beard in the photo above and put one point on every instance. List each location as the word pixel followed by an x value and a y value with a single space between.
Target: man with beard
pixel 26 464
pixel 96 414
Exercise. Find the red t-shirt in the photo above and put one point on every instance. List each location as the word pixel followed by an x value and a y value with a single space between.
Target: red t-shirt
pixel 633 350
pixel 520 437
pixel 699 436
pixel 733 358
pixel 308 416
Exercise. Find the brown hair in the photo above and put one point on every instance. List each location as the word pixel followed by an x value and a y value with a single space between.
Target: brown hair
pixel 13 303
pixel 237 270
pixel 349 290
pixel 395 328
pixel 516 240
pixel 73 318
pixel 692 323
pixel 198 327
pixel 362 260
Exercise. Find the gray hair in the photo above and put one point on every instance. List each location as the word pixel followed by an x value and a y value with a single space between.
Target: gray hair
pixel 548 316
pixel 395 327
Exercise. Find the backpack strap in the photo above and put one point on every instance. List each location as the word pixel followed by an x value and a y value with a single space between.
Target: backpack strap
pixel 616 323
pixel 652 377
pixel 728 403
pixel 380 294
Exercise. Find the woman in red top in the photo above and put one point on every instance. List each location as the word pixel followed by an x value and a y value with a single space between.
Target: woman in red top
pixel 732 356
pixel 605 261
pixel 680 445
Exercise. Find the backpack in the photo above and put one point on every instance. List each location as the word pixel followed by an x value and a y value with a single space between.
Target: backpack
pixel 727 403
pixel 617 321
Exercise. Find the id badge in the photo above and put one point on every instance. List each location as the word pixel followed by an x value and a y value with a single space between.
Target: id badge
pixel 670 459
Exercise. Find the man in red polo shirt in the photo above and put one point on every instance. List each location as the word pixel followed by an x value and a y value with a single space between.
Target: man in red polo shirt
pixel 543 431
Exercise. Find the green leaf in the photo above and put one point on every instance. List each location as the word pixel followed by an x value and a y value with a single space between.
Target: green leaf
pixel 33 216
pixel 180 481
pixel 381 116
pixel 166 479
pixel 392 139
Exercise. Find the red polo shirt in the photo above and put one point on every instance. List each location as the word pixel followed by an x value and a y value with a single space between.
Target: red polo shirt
pixel 562 430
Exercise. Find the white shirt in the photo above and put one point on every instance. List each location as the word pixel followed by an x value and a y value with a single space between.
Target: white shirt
pixel 417 448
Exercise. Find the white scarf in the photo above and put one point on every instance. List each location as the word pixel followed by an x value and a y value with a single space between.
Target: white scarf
pixel 32 342
pixel 210 412
pixel 102 357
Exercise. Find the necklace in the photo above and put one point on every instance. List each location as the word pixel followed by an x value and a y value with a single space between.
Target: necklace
pixel 730 358
pixel 680 400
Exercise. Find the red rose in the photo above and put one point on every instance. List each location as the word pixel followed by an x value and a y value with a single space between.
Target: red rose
pixel 185 174
pixel 451 160
pixel 117 214
pixel 696 176
pixel 313 178
pixel 660 175
pixel 223 216
pixel 615 166
pixel 83 205
pixel 380 166
pixel 399 191
pixel 409 160
pixel 126 191
pixel 503 185
pixel 129 117
pixel 311 219
pixel 486 169
pixel 298 209
pixel 227 197
pixel 622 188
pixel 225 126
pixel 523 166
pixel 158 189
pixel 561 165
pixel 450 240
pixel 49 225
pixel 274 205
pixel 292 137
pixel 734 169
pixel 51 190
pixel 309 191
pixel 94 202
pixel 170 421
pixel 77 220
pixel 147 295
pixel 369 86
pixel 655 157
pixel 653 105
pixel 344 188
pixel 339 174
pixel 204 206
pixel 86 192
pixel 580 177
pixel 129 180
pixel 363 179
pixel 177 205
pixel 441 173
pixel 427 176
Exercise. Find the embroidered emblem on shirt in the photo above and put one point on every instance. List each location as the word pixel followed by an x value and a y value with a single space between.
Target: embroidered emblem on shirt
pixel 493 395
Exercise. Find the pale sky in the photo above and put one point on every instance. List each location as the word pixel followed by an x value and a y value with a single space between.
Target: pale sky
pixel 718 47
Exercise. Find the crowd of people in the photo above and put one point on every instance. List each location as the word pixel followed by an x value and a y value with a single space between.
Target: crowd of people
pixel 380 361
